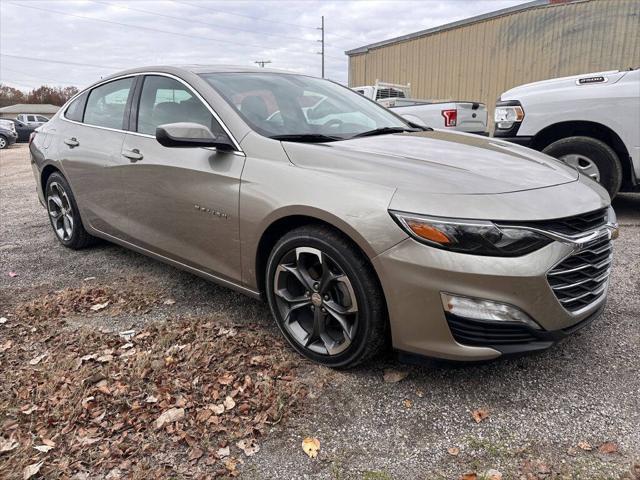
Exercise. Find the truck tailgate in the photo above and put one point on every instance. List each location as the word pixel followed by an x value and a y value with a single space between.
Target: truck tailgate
pixel 472 117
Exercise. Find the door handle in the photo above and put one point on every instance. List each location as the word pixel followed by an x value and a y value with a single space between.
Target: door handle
pixel 133 155
pixel 72 142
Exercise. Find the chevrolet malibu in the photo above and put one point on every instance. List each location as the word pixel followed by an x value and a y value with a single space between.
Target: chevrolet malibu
pixel 360 229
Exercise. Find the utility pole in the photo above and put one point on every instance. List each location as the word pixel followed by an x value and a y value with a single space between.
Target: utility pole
pixel 262 62
pixel 321 28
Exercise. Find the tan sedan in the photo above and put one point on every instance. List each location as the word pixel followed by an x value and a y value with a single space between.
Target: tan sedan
pixel 360 229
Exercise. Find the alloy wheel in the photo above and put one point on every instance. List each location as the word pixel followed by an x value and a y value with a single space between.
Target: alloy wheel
pixel 3 143
pixel 316 301
pixel 60 211
pixel 583 164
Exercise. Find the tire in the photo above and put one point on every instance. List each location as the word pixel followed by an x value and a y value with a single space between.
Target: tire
pixel 61 203
pixel 4 143
pixel 354 285
pixel 585 150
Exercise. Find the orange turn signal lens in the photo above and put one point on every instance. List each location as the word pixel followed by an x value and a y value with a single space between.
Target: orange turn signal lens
pixel 428 232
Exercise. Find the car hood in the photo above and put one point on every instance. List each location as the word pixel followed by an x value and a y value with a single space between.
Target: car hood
pixel 610 76
pixel 434 162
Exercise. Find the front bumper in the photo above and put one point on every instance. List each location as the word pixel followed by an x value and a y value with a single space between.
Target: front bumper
pixel 414 275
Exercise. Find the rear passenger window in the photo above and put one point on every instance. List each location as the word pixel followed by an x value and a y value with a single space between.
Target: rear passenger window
pixel 75 109
pixel 165 100
pixel 106 104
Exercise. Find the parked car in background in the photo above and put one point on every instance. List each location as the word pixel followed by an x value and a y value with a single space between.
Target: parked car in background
pixel 470 117
pixel 591 122
pixel 22 129
pixel 31 119
pixel 8 133
pixel 360 231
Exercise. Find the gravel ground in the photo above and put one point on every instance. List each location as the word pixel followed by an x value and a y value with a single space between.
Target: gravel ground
pixel 540 407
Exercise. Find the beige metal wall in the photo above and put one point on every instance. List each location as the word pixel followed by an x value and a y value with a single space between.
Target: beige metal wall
pixel 479 61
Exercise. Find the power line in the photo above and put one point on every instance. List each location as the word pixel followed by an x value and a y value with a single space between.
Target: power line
pixel 191 21
pixel 62 62
pixel 244 16
pixel 129 25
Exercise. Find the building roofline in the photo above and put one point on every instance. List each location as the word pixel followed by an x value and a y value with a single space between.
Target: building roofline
pixel 459 23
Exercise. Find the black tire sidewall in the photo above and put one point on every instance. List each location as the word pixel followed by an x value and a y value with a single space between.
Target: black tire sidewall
pixel 77 223
pixel 361 285
pixel 597 151
pixel 6 142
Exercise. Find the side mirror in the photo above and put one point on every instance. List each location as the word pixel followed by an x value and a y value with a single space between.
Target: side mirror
pixel 188 134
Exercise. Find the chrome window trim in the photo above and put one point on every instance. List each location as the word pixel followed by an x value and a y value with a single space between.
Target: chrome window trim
pixel 237 151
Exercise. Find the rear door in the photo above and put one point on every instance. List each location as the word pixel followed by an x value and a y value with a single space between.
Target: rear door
pixel 181 203
pixel 90 144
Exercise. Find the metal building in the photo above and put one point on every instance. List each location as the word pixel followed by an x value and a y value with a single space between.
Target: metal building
pixel 481 57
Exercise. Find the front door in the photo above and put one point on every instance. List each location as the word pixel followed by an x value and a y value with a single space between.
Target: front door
pixel 181 203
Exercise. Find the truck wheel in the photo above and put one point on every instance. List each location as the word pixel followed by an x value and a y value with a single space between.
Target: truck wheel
pixel 592 158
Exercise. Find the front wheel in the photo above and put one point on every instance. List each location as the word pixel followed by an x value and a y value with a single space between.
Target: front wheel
pixel 325 297
pixel 592 158
pixel 3 142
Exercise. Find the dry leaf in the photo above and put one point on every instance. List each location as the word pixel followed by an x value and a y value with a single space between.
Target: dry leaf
pixel 104 358
pixel 99 306
pixel 7 445
pixel 6 346
pixel 480 414
pixel 229 403
pixel 37 360
pixel 217 409
pixel 31 470
pixel 393 376
pixel 608 447
pixel 585 446
pixel 195 454
pixel 48 443
pixel 311 446
pixel 169 416
pixel 169 301
pixel 225 379
pixel 493 474
pixel 43 448
pixel 453 451
pixel 407 403
pixel 230 464
pixel 223 452
pixel 151 399
pixel 249 446
pixel 469 476
pixel 3 320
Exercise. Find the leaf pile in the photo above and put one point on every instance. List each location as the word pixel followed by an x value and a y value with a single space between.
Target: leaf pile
pixel 87 299
pixel 184 397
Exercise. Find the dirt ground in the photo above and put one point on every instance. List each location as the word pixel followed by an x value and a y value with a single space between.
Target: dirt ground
pixel 549 415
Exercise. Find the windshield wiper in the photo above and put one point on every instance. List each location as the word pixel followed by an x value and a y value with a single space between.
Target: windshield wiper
pixel 385 131
pixel 306 137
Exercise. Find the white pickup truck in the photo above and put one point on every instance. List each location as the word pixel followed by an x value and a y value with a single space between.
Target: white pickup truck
pixel 590 121
pixel 468 117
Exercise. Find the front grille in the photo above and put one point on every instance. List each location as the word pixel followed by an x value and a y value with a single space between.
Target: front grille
pixel 470 332
pixel 571 225
pixel 581 279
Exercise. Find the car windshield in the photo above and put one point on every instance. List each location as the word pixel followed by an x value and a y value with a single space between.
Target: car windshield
pixel 295 107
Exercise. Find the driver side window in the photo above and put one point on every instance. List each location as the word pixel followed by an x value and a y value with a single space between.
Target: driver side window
pixel 165 100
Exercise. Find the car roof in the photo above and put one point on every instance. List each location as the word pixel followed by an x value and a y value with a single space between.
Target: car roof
pixel 196 69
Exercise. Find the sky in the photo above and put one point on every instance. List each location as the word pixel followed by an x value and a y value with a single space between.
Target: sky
pixel 76 42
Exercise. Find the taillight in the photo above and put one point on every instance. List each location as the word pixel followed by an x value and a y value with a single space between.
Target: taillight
pixel 450 117
pixel 32 135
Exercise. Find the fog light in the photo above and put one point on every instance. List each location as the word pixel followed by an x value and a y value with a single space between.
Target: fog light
pixel 485 310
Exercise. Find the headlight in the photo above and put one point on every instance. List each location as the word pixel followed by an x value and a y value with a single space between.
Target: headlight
pixel 507 113
pixel 470 236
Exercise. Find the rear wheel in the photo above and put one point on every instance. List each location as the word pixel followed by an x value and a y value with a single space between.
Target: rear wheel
pixel 64 214
pixel 326 297
pixel 591 157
